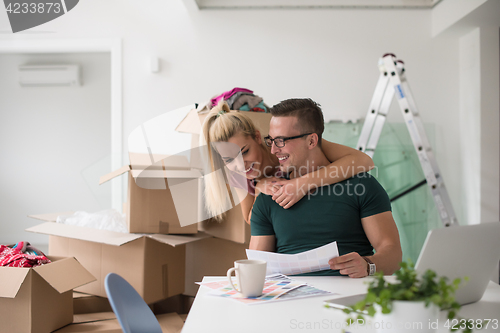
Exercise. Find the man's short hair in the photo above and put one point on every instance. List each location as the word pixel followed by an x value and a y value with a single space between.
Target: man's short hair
pixel 307 111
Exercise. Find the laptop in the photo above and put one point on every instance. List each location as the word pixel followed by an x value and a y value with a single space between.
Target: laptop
pixel 455 252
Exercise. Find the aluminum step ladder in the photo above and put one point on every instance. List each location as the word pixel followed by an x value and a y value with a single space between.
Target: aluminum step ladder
pixel 392 81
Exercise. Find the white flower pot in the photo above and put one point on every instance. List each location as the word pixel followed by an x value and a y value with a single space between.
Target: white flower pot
pixel 407 316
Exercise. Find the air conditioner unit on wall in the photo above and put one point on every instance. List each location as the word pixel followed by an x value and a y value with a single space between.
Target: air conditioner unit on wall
pixel 49 75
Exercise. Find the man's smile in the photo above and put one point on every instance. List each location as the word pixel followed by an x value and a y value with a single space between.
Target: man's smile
pixel 282 158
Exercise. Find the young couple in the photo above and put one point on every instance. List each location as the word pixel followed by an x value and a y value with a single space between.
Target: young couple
pixel 293 156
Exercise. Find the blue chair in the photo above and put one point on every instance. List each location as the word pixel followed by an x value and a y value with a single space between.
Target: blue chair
pixel 133 314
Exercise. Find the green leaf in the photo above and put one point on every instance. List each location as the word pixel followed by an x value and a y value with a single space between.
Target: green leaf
pixel 370 298
pixel 386 309
pixel 371 311
pixel 451 314
pixel 385 294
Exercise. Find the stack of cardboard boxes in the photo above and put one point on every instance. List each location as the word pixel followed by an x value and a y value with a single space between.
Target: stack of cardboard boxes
pixel 162 256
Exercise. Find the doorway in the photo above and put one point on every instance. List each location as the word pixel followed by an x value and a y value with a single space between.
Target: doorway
pixel 55 140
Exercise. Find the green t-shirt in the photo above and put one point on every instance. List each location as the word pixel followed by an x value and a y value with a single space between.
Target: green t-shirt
pixel 332 213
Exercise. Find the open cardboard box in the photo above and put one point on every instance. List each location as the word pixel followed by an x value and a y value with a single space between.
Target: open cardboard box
pixel 160 195
pixel 153 264
pixel 151 173
pixel 39 299
pixel 233 227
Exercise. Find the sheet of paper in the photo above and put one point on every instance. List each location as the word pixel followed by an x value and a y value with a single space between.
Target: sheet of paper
pixel 310 261
pixel 303 291
pixel 277 287
pixel 273 289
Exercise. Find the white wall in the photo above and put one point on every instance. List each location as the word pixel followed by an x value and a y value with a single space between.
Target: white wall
pixel 479 72
pixel 54 142
pixel 470 122
pixel 447 13
pixel 490 120
pixel 328 55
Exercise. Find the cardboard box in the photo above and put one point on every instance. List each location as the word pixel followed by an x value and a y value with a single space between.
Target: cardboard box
pixel 153 264
pixel 210 257
pixel 92 317
pixel 103 323
pixel 151 207
pixel 180 304
pixel 188 206
pixel 86 303
pixel 233 227
pixel 97 326
pixel 39 299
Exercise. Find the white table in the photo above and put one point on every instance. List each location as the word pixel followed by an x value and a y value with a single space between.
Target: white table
pixel 216 314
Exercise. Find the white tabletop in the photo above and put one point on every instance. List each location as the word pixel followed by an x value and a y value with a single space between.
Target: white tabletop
pixel 217 314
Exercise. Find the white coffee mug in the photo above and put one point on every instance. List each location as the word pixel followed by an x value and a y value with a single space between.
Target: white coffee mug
pixel 250 276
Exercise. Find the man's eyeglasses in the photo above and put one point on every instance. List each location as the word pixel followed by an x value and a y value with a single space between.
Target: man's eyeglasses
pixel 280 140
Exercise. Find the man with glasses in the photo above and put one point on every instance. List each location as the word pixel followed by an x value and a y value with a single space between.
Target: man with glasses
pixel 355 212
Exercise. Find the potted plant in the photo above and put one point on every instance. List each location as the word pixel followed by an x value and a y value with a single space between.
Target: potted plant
pixel 411 304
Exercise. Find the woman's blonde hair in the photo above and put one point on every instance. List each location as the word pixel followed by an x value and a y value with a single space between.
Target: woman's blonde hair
pixel 219 126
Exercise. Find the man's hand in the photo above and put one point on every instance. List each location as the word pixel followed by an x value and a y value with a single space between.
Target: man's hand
pixel 351 264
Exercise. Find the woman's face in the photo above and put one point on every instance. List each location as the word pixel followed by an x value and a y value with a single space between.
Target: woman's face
pixel 243 154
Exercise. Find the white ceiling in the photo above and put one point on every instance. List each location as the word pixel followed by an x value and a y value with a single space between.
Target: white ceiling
pixel 309 4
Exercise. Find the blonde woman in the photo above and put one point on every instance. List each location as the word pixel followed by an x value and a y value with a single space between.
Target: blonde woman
pixel 241 158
